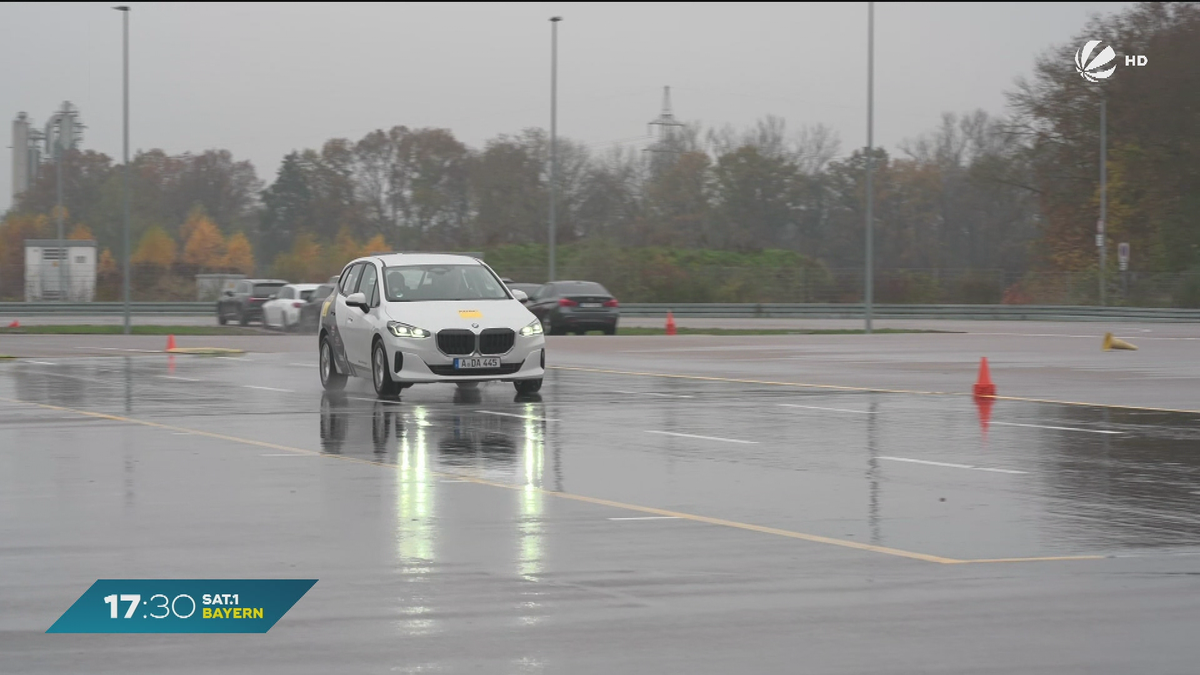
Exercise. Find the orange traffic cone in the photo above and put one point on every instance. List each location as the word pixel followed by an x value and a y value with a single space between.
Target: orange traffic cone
pixel 15 324
pixel 984 386
pixel 170 342
pixel 670 323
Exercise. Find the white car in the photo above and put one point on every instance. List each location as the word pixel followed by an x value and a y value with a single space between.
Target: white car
pixel 283 309
pixel 401 319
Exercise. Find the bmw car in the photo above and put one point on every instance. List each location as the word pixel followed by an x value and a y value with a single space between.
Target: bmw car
pixel 401 319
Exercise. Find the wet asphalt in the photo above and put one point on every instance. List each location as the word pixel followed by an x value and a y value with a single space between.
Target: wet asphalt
pixel 616 522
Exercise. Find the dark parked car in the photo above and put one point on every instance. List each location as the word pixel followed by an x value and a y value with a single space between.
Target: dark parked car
pixel 244 303
pixel 310 312
pixel 528 289
pixel 577 306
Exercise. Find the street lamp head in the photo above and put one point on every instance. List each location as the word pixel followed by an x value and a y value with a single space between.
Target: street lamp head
pixel 122 8
pixel 556 19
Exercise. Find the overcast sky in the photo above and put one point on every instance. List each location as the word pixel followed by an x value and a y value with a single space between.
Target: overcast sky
pixel 264 79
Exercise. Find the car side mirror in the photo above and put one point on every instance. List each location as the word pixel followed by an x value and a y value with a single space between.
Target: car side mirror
pixel 357 300
pixel 521 296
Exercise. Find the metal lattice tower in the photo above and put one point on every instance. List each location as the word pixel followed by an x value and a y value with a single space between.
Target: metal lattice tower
pixel 667 124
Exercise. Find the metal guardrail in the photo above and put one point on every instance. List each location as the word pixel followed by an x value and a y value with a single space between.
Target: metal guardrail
pixel 855 311
pixel 710 310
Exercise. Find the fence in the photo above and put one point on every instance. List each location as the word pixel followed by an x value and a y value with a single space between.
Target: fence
pixel 709 310
pixel 806 285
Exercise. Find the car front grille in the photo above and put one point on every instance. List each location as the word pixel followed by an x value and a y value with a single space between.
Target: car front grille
pixel 506 369
pixel 456 342
pixel 496 341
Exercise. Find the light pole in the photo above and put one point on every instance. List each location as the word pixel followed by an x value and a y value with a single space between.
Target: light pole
pixel 1101 235
pixel 869 281
pixel 553 137
pixel 58 209
pixel 125 178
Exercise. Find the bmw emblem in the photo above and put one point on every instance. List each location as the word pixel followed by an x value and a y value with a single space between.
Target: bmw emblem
pixel 474 325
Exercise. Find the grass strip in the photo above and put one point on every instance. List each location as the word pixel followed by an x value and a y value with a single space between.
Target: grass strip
pixel 772 331
pixel 84 329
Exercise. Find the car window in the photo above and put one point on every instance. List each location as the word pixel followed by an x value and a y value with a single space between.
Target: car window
pixel 321 292
pixel 581 288
pixel 370 278
pixel 350 279
pixel 308 295
pixel 265 290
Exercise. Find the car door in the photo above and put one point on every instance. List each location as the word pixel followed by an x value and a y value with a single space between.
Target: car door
pixel 347 316
pixel 361 330
pixel 240 296
pixel 541 304
pixel 271 307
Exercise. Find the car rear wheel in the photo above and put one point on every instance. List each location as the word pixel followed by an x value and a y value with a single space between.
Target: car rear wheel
pixel 243 320
pixel 381 375
pixel 331 379
pixel 528 386
pixel 611 330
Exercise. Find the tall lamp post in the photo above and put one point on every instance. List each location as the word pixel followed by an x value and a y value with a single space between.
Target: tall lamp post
pixel 553 138
pixel 125 179
pixel 1101 235
pixel 869 281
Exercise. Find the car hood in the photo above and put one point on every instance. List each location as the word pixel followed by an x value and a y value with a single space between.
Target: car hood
pixel 437 315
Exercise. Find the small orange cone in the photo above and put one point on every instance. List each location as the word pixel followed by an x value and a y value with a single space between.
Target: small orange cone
pixel 670 323
pixel 984 386
pixel 170 342
pixel 15 324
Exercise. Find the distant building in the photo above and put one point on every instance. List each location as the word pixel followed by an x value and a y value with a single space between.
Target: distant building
pixel 31 147
pixel 54 272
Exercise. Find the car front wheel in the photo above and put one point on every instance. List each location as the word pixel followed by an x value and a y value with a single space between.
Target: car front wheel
pixel 381 375
pixel 528 386
pixel 331 379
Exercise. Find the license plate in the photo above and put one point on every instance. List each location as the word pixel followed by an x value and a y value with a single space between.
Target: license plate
pixel 468 364
pixel 590 305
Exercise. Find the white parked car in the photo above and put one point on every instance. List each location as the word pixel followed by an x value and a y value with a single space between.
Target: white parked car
pixel 283 309
pixel 401 319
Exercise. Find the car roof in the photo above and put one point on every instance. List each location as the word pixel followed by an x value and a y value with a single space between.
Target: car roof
pixel 265 281
pixel 306 287
pixel 398 259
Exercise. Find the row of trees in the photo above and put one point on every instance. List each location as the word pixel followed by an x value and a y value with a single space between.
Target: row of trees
pixel 1013 194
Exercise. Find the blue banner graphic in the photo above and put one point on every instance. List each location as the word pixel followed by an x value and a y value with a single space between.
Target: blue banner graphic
pixel 182 605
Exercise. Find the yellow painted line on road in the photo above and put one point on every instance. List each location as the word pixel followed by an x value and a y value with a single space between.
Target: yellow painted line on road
pixel 871 390
pixel 790 534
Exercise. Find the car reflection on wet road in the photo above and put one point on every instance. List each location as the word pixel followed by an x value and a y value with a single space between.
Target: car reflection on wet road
pixel 710 522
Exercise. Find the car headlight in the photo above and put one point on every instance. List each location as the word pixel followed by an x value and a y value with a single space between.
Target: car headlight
pixel 406 331
pixel 532 329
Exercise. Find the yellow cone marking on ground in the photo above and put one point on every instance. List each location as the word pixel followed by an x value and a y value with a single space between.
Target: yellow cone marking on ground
pixel 900 553
pixel 872 390
pixel 205 350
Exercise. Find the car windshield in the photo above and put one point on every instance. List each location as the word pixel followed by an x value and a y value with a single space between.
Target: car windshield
pixel 421 283
pixel 265 290
pixel 320 293
pixel 580 288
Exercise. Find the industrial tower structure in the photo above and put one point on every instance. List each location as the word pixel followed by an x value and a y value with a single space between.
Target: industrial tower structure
pixel 31 147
